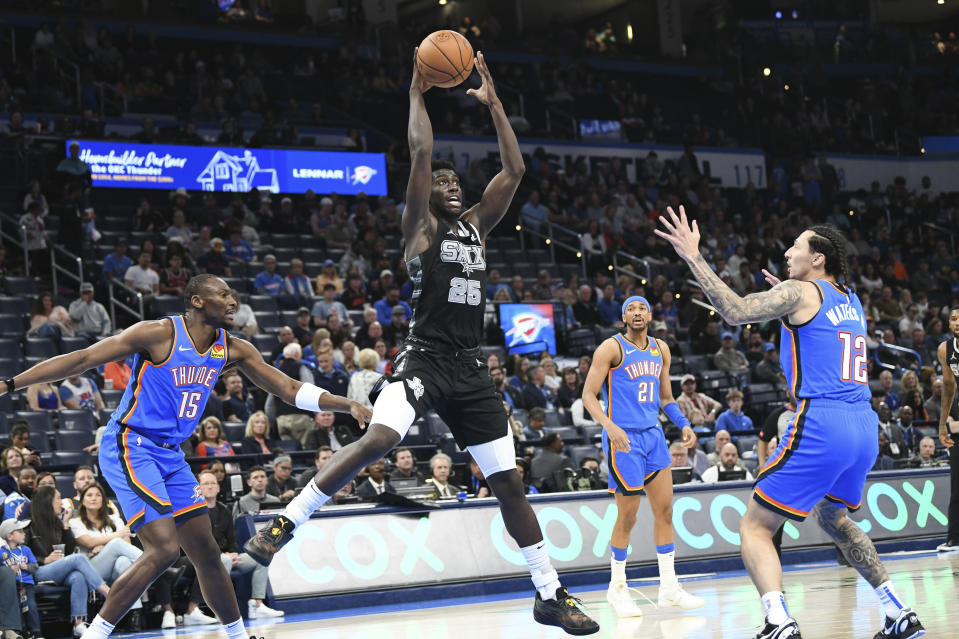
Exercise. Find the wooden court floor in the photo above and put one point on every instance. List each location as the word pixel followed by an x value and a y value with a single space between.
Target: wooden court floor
pixel 829 602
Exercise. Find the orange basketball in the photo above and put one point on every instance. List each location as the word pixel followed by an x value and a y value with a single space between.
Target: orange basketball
pixel 445 58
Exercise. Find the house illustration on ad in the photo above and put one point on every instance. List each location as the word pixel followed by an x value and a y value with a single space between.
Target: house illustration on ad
pixel 236 173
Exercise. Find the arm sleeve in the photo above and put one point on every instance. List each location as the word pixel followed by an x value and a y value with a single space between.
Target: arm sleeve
pixel 675 415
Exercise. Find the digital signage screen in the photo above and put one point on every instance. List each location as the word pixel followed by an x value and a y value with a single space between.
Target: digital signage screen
pixel 120 164
pixel 528 328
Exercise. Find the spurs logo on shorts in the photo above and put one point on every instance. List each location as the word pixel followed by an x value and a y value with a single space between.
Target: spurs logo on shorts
pixel 416 386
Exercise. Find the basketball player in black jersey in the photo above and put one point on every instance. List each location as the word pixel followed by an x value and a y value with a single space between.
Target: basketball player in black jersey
pixel 440 365
pixel 948 353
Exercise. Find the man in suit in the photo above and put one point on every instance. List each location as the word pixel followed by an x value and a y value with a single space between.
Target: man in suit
pixel 405 466
pixel 535 393
pixel 547 461
pixel 327 433
pixel 377 483
pixel 897 442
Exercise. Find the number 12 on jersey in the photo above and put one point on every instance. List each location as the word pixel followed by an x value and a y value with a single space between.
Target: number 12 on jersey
pixel 854 358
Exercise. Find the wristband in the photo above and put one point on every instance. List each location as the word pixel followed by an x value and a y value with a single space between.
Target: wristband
pixel 10 385
pixel 675 415
pixel 308 397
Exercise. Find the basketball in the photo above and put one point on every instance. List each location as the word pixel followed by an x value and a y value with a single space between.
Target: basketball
pixel 445 58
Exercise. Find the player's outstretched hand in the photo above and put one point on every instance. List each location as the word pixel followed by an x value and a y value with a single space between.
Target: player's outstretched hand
pixel 945 438
pixel 617 438
pixel 689 437
pixel 360 413
pixel 486 93
pixel 683 236
pixel 771 279
pixel 418 84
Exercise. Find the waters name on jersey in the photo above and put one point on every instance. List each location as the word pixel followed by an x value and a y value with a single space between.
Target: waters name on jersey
pixel 844 312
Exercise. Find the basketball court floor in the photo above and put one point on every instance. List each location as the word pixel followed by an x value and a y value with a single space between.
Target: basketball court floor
pixel 828 601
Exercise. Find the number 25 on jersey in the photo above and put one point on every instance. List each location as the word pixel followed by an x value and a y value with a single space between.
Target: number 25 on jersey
pixel 853 358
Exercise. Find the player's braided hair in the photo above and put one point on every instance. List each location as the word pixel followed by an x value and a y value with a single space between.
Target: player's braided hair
pixel 194 286
pixel 829 241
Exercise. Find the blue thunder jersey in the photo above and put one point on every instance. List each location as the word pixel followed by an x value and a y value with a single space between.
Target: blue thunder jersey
pixel 826 357
pixel 166 399
pixel 631 390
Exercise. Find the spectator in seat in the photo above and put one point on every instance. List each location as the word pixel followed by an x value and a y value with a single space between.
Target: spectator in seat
pixel 212 442
pixel 569 389
pixel 884 460
pixel 323 308
pixel 81 393
pixel 690 400
pixel 286 336
pixel 243 318
pixel 728 357
pixel 377 483
pixel 384 307
pixel 734 419
pixel 609 307
pixel 296 284
pixel 49 527
pixel 926 455
pixel 44 397
pixel 293 422
pixel 537 423
pixel 27 481
pixel 282 484
pixel 535 393
pixel 237 402
pixel 679 458
pixel 395 333
pixel 404 466
pixel 88 316
pixel 329 276
pixel 268 281
pixel 889 398
pixel 257 497
pixel 440 467
pixel 104 539
pixel 174 277
pixel 326 432
pixel 328 377
pixel 363 380
pixel 20 440
pixel 512 395
pixel 898 447
pixel 354 297
pixel 722 438
pixel 909 432
pixel 256 438
pixel 585 310
pixel 115 264
pixel 22 566
pixel 214 261
pixel 82 477
pixel 236 563
pixel 769 370
pixel 728 461
pixel 142 278
pixel 933 405
pixel 323 454
pixel 709 341
pixel 11 462
pixel 238 249
pixel 549 459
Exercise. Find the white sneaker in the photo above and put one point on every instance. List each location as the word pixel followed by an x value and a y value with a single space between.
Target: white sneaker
pixel 197 618
pixel 676 596
pixel 262 611
pixel 79 629
pixel 618 597
pixel 949 546
pixel 169 619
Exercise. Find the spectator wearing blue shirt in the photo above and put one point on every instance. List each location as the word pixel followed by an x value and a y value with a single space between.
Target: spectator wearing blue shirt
pixel 384 307
pixel 493 284
pixel 323 308
pixel 535 393
pixel 297 284
pixel 733 419
pixel 610 310
pixel 533 212
pixel 268 281
pixel 15 553
pixel 115 264
pixel 238 249
pixel 81 393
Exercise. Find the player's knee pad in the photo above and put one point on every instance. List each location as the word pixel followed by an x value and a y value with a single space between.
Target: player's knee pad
pixel 495 456
pixel 393 410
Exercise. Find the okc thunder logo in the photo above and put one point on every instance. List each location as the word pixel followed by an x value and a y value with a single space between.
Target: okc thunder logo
pixel 526 328
pixel 362 175
pixel 197 495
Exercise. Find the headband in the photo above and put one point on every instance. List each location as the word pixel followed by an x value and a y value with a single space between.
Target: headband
pixel 635 298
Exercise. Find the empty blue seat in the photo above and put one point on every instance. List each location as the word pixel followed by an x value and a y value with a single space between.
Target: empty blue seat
pixel 10 348
pixel 77 420
pixel 39 420
pixel 289 445
pixel 14 305
pixel 20 286
pixel 73 440
pixel 70 344
pixel 70 458
pixel 12 325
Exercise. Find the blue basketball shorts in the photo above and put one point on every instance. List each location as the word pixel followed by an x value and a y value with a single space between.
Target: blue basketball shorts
pixel 648 454
pixel 827 451
pixel 150 481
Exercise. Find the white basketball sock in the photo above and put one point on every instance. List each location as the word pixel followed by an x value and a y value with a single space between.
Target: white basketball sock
pixel 891 603
pixel 303 505
pixel 774 606
pixel 99 628
pixel 235 630
pixel 541 570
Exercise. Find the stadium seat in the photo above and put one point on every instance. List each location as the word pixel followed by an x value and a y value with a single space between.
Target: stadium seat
pixel 20 286
pixel 65 483
pixel 39 420
pixel 77 420
pixel 70 344
pixel 591 433
pixel 10 348
pixel 745 443
pixel 289 445
pixel 577 453
pixel 285 240
pixel 73 440
pixel 267 319
pixel 70 458
pixel 234 431
pixel 569 434
pixel 581 341
pixel 4 425
pixel 163 305
pixel 437 427
pixel 41 440
pixel 11 325
pixel 418 434
pixel 695 363
pixel 263 302
pixel 40 347
pixel 265 342
pixel 14 305
pixel 111 397
pixel 11 367
pixel 553 420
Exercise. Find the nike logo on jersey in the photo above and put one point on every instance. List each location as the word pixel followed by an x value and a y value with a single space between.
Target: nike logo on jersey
pixel 184 348
pixel 632 351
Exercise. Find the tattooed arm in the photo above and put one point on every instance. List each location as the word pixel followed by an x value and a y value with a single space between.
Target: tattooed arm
pixel 852 541
pixel 782 300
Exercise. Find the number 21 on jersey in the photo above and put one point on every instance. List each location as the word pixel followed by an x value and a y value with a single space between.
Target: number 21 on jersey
pixel 853 358
pixel 646 390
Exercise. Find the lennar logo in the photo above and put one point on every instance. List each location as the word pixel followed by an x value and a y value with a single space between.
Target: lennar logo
pixel 362 175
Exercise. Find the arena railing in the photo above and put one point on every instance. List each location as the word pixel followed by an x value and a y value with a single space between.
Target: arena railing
pixel 938 230
pixel 117 303
pixel 22 242
pixel 56 268
pixel 574 243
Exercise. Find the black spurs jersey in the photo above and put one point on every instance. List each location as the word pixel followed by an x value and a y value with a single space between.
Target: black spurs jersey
pixel 952 355
pixel 449 288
